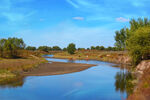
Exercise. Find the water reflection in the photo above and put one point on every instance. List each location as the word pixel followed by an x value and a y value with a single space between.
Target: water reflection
pixel 71 61
pixel 12 82
pixel 124 82
pixel 95 83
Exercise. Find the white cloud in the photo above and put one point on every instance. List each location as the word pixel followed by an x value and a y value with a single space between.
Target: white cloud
pixel 121 19
pixel 78 18
pixel 72 3
pixel 12 16
pixel 97 9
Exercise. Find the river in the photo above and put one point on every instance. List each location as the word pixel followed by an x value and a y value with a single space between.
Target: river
pixel 101 82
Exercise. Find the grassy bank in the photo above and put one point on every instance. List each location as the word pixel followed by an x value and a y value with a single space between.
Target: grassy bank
pixel 10 68
pixel 109 56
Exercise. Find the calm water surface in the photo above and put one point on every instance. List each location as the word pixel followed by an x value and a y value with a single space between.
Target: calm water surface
pixel 102 82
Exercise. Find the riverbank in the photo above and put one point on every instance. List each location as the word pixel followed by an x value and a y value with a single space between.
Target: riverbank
pixel 142 90
pixel 119 57
pixel 57 68
pixel 11 68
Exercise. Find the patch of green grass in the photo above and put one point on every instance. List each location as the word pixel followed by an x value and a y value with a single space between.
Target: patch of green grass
pixel 146 85
pixel 6 74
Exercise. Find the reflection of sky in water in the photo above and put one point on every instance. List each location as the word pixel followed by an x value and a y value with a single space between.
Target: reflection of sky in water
pixel 96 83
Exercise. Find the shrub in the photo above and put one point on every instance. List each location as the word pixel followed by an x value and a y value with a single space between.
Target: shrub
pixel 71 48
pixel 31 48
pixel 138 45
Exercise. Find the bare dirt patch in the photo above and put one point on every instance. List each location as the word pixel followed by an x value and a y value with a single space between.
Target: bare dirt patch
pixel 57 68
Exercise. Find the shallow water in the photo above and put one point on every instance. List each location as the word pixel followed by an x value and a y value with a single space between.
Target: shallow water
pixel 102 82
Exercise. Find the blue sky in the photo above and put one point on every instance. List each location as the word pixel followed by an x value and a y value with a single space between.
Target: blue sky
pixel 60 22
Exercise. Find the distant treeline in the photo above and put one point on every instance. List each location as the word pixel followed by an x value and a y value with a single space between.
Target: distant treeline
pixel 44 48
pixel 9 48
pixel 57 48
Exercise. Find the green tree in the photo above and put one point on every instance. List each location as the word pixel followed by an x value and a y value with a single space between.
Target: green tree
pixel 102 48
pixel 71 48
pixel 135 24
pixel 44 48
pixel 120 38
pixel 64 49
pixel 81 48
pixel 135 39
pixel 138 44
pixel 31 48
pixel 97 48
pixel 2 42
pixel 109 48
pixel 56 48
pixel 10 46
pixel 93 48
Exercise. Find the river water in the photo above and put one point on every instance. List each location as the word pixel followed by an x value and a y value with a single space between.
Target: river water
pixel 101 82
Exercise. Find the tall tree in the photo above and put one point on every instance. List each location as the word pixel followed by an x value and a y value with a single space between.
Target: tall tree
pixel 120 38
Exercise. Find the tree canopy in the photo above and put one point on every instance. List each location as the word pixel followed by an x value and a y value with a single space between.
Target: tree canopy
pixel 71 48
pixel 136 39
pixel 138 44
pixel 10 46
pixel 31 48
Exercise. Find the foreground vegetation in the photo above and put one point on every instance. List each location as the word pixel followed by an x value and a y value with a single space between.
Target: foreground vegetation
pixel 12 68
pixel 14 59
pixel 135 39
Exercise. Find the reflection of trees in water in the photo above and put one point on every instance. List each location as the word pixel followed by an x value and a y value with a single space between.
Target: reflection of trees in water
pixel 12 82
pixel 70 61
pixel 124 82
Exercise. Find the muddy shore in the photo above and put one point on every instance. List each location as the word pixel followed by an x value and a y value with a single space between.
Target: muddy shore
pixel 57 68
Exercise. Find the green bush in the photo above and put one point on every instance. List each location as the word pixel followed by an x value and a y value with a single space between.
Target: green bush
pixel 71 48
pixel 138 44
pixel 31 48
pixel 44 48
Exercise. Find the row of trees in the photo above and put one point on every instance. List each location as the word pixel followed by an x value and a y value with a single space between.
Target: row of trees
pixel 104 48
pixel 135 39
pixel 44 48
pixel 71 48
pixel 10 46
pixel 57 48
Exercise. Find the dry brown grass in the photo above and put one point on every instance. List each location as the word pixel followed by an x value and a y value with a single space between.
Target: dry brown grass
pixel 18 65
pixel 12 69
pixel 142 91
pixel 109 56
